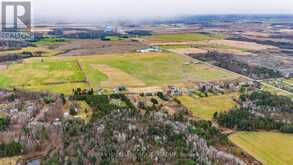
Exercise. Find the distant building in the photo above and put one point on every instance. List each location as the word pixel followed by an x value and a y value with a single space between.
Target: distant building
pixel 111 29
pixel 174 91
pixel 151 49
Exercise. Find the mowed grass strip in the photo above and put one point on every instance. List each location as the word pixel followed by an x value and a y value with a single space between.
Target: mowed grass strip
pixel 270 148
pixel 182 37
pixel 41 73
pixel 205 108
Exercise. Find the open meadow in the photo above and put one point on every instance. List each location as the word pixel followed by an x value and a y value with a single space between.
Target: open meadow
pixel 205 107
pixel 181 37
pixel 108 71
pixel 42 73
pixel 268 147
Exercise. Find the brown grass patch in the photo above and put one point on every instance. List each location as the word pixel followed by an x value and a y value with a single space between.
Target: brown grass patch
pixel 242 44
pixel 189 51
pixel 117 77
pixel 145 90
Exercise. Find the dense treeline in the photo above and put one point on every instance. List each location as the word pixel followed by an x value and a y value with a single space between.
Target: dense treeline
pixel 257 113
pixel 226 61
pixel 205 130
pixel 10 149
pixel 139 33
pixel 242 120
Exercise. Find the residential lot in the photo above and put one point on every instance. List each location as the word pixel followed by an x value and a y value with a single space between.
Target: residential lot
pixel 205 107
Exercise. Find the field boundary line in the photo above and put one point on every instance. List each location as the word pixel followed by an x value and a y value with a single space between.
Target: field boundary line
pixel 81 69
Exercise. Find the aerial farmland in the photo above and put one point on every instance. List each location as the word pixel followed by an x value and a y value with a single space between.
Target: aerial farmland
pixel 216 92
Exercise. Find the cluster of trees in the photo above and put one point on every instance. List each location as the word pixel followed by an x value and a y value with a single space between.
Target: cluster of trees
pixel 205 130
pixel 267 101
pixel 264 103
pixel 123 98
pixel 101 103
pixel 254 72
pixel 162 96
pixel 174 140
pixel 79 94
pixel 10 149
pixel 4 122
pixel 226 61
pixel 243 120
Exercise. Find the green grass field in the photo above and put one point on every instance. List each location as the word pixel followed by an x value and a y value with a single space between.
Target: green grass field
pixel 174 46
pixel 155 68
pixel 268 147
pixel 182 37
pixel 50 41
pixel 41 73
pixel 151 69
pixel 65 88
pixel 205 107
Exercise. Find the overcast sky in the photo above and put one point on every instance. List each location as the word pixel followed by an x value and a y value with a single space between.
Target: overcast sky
pixel 101 10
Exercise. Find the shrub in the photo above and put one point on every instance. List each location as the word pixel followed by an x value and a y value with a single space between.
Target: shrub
pixel 10 149
pixel 72 111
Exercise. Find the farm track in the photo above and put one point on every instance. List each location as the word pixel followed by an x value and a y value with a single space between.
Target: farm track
pixel 84 74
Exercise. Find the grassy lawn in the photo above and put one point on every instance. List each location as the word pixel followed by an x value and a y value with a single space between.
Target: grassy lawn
pixel 182 37
pixel 206 107
pixel 41 73
pixel 268 147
